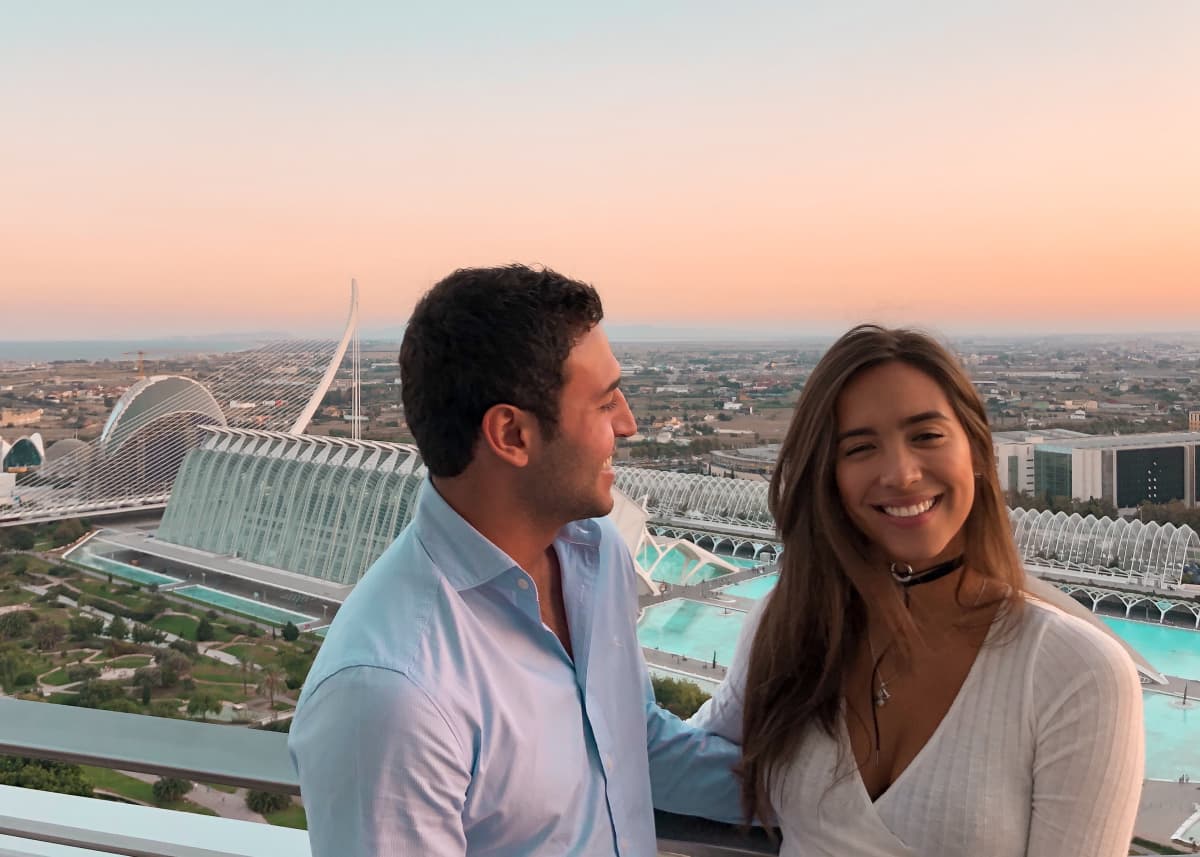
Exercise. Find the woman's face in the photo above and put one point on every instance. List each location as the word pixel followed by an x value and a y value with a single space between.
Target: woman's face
pixel 904 468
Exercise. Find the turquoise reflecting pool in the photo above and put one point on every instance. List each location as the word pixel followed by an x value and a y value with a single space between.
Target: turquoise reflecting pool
pixel 754 588
pixel 691 628
pixel 1172 738
pixel 741 561
pixel 245 606
pixel 1174 651
pixel 123 570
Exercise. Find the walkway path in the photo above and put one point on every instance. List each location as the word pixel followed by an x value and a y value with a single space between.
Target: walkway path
pixel 1164 807
pixel 222 803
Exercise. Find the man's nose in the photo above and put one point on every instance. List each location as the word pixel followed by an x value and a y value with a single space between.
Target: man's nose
pixel 624 425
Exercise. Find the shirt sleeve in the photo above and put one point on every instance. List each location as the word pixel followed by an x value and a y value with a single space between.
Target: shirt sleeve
pixel 381 771
pixel 722 714
pixel 691 770
pixel 692 763
pixel 1089 751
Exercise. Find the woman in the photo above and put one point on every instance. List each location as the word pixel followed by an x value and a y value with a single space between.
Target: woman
pixel 899 693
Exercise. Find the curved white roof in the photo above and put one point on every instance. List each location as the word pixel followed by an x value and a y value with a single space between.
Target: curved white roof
pixel 153 398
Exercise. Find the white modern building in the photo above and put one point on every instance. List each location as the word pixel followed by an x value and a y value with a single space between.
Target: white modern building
pixel 1014 455
pixel 1125 470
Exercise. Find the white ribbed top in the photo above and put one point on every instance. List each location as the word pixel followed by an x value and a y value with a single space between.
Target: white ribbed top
pixel 1040 755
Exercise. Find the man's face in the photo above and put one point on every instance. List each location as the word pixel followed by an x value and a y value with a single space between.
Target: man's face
pixel 571 478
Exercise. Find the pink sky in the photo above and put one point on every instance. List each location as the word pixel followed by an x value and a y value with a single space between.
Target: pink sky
pixel 975 173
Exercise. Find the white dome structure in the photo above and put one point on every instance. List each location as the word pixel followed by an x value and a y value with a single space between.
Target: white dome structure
pixel 154 398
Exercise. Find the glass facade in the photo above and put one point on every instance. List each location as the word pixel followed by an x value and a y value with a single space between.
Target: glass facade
pixel 1154 475
pixel 1109 546
pixel 1052 472
pixel 24 453
pixel 323 507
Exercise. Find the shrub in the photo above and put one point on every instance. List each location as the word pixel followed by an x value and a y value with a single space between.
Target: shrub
pixel 15 624
pixel 185 647
pixel 170 789
pixel 681 698
pixel 265 803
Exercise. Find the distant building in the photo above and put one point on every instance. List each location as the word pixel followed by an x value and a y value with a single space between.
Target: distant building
pixel 1193 420
pixel 1126 470
pixel 1014 455
pixel 23 454
pixel 758 460
pixel 15 418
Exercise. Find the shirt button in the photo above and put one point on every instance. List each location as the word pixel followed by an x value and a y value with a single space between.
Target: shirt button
pixel 609 761
pixel 522 583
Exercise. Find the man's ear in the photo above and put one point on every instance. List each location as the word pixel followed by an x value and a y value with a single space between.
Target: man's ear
pixel 507 432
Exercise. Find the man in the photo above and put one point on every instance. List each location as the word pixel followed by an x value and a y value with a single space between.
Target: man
pixel 482 690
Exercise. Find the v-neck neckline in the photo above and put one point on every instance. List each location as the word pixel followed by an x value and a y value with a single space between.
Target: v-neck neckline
pixel 966 687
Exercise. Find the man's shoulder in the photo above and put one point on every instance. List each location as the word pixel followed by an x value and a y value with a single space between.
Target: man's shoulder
pixel 385 620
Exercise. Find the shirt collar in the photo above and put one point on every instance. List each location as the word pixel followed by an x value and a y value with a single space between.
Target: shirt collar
pixel 465 556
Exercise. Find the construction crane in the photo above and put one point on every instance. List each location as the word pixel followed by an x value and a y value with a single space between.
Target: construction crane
pixel 141 365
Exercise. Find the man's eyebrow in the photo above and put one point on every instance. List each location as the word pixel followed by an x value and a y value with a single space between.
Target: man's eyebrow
pixel 922 417
pixel 612 386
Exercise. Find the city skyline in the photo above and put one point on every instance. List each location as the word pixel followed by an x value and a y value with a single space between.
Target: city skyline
pixel 996 169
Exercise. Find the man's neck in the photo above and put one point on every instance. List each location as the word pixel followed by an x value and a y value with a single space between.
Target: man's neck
pixel 499 515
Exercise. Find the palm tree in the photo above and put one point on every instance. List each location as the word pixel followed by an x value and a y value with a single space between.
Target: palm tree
pixel 270 682
pixel 247 668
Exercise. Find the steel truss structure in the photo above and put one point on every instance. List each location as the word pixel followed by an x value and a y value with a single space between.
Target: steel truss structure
pixel 1156 553
pixel 154 425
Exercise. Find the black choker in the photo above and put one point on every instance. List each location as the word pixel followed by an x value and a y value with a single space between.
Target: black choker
pixel 903 573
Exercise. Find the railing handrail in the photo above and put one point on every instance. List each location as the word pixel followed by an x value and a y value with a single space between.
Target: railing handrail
pixel 207 752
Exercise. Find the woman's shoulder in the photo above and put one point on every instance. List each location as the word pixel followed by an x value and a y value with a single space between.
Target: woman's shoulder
pixel 1065 649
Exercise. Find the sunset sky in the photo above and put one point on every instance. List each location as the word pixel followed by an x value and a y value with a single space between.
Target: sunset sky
pixel 971 166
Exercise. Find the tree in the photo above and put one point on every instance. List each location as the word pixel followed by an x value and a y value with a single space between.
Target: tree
pixel 290 632
pixel 265 803
pixel 47 635
pixel 44 775
pixel 146 634
pixel 118 629
pixel 82 672
pixel 247 668
pixel 271 682
pixel 204 630
pixel 15 625
pixel 202 702
pixel 84 627
pixel 174 666
pixel 21 539
pixel 170 789
pixel 67 532
pixel 681 698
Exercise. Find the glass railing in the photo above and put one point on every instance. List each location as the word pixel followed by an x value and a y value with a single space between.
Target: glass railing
pixel 43 823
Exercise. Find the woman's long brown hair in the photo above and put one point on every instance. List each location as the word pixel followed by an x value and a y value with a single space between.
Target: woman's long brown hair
pixel 817 615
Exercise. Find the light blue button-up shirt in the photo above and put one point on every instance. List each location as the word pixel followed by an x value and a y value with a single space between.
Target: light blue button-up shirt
pixel 443 718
